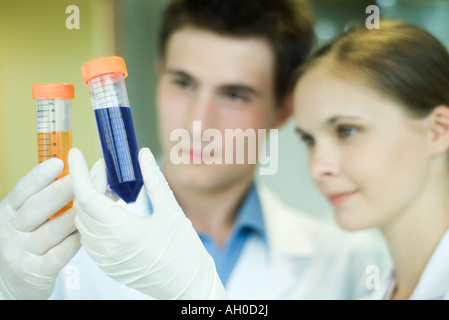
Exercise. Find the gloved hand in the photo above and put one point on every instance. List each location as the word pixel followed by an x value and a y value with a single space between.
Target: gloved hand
pixel 160 255
pixel 32 252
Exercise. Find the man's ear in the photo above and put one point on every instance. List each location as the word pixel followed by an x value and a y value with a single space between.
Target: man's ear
pixel 283 113
pixel 439 130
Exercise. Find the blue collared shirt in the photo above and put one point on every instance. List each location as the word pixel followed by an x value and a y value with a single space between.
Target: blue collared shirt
pixel 249 223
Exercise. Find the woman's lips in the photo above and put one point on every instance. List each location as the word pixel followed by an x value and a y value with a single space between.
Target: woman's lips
pixel 338 198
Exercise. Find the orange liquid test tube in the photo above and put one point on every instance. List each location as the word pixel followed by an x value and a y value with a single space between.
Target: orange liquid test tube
pixel 54 124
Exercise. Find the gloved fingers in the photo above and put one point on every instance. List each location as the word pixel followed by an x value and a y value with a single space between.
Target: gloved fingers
pixel 50 234
pixel 42 205
pixel 161 196
pixel 120 236
pixel 100 180
pixel 81 227
pixel 98 175
pixel 33 182
pixel 92 204
pixel 89 239
pixel 59 255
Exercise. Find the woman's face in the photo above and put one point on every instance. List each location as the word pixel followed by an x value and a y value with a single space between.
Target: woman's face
pixel 367 157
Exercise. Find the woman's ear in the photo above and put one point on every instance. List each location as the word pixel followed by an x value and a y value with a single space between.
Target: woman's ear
pixel 439 130
pixel 283 113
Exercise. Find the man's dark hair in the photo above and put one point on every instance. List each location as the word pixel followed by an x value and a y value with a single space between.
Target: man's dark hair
pixel 287 25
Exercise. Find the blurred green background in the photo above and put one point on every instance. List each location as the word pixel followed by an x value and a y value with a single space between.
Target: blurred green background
pixel 36 46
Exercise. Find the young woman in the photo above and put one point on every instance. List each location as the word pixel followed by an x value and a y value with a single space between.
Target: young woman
pixel 373 109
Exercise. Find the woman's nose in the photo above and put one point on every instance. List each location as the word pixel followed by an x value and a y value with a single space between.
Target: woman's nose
pixel 323 163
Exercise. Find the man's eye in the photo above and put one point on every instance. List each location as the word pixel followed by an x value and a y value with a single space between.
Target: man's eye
pixel 345 132
pixel 237 97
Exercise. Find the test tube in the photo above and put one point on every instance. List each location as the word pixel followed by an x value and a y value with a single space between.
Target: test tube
pixel 106 80
pixel 54 124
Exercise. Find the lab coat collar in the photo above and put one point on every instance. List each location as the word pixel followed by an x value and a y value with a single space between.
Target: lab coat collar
pixel 288 231
pixel 434 281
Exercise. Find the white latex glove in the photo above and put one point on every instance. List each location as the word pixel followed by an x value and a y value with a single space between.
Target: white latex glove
pixel 160 255
pixel 32 252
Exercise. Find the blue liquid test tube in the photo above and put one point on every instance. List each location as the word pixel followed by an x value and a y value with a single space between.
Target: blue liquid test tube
pixel 106 80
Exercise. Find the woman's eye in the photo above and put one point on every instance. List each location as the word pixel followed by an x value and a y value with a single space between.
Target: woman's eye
pixel 308 140
pixel 182 83
pixel 344 132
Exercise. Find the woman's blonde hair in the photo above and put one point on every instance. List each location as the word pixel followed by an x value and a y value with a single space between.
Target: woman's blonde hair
pixel 401 60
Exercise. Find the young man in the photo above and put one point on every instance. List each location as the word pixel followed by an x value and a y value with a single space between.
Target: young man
pixel 226 65
pixel 226 72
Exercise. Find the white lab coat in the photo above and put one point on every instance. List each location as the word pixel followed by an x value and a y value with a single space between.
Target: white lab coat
pixel 433 283
pixel 306 258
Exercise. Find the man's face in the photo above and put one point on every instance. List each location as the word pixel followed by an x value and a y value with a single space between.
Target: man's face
pixel 222 82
